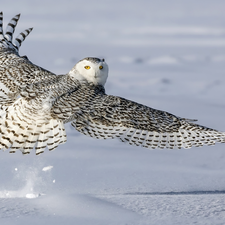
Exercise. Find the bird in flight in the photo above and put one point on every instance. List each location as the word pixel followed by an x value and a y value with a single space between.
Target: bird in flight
pixel 36 103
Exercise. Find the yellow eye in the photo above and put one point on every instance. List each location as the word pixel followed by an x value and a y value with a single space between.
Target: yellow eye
pixel 87 67
pixel 100 67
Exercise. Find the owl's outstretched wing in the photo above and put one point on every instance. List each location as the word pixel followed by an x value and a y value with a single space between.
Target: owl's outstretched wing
pixel 16 71
pixel 115 117
pixel 25 124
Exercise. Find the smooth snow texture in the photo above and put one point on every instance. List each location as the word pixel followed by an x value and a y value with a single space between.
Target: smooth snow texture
pixel 165 54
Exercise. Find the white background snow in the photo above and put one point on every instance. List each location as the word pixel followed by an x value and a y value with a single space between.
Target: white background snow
pixel 165 54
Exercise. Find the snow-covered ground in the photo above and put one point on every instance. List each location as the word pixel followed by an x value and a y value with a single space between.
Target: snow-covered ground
pixel 166 54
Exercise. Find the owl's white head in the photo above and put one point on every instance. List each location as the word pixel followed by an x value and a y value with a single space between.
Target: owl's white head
pixel 92 70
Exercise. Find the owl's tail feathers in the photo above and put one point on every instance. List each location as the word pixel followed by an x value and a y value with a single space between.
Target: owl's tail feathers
pixel 25 134
pixel 56 136
pixel 6 40
pixel 51 135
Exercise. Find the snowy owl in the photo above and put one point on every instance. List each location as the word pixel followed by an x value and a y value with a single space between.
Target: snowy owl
pixel 35 104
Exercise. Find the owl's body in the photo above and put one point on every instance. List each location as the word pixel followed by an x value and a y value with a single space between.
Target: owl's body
pixel 35 105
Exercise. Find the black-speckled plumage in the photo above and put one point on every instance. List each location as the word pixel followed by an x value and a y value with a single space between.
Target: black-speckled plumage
pixel 35 104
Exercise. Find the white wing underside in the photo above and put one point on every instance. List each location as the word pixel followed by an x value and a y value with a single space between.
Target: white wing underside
pixel 24 131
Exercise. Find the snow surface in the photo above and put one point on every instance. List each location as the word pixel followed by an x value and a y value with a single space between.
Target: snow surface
pixel 166 54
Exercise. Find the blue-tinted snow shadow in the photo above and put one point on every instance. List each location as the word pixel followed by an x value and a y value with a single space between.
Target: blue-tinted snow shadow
pixel 216 192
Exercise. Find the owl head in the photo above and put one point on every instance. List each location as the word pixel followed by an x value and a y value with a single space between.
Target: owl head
pixel 92 70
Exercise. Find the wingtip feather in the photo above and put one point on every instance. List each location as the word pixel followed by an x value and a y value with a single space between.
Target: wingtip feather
pixel 6 40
